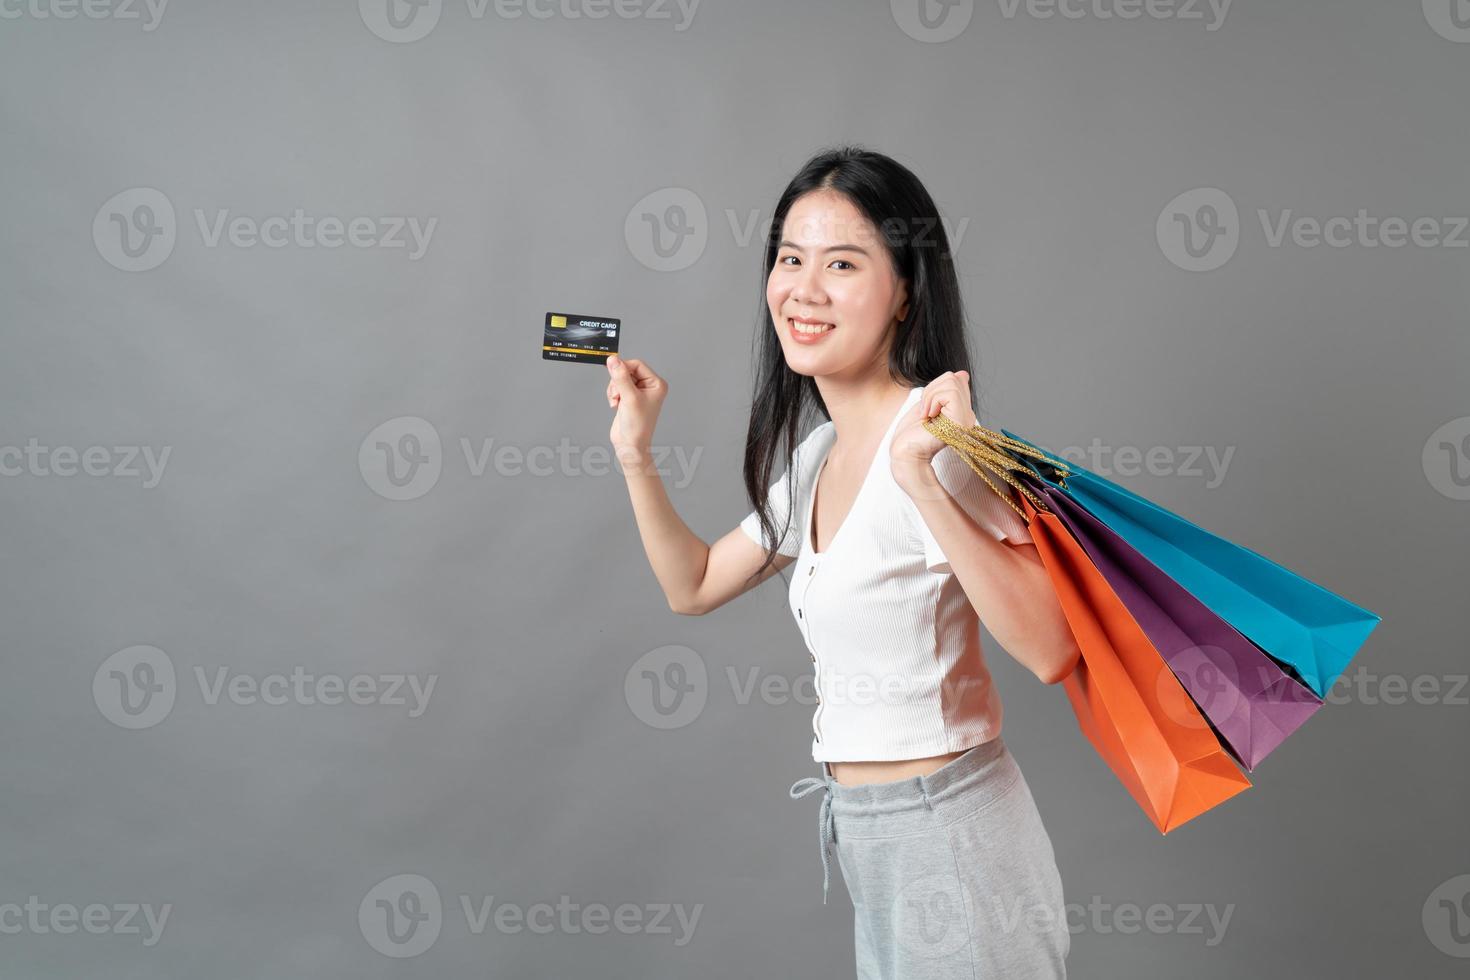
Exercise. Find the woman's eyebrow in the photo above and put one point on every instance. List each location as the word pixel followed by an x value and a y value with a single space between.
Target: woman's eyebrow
pixel 835 248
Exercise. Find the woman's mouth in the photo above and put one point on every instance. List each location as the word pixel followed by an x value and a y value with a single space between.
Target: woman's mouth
pixel 806 332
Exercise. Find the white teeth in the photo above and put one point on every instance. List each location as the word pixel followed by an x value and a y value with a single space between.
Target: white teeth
pixel 810 327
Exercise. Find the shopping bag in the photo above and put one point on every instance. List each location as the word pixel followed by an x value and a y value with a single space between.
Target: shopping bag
pixel 1127 701
pixel 1249 700
pixel 1309 629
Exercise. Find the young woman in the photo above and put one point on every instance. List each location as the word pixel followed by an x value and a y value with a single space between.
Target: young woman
pixel 900 551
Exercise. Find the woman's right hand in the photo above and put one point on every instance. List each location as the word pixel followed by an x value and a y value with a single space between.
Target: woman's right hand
pixel 637 394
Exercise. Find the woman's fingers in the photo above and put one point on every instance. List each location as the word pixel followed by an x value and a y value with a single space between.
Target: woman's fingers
pixel 622 376
pixel 949 390
pixel 634 373
pixel 643 375
pixel 932 392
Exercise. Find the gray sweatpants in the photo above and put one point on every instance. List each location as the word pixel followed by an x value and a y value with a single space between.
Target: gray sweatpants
pixel 951 874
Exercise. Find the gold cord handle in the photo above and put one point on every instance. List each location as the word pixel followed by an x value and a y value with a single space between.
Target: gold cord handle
pixel 998 451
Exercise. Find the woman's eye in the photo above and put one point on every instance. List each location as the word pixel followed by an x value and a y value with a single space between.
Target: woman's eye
pixel 782 261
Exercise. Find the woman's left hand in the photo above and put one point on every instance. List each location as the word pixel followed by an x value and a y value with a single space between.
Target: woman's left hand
pixel 913 447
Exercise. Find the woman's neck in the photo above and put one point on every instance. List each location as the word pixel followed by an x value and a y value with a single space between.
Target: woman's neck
pixel 861 411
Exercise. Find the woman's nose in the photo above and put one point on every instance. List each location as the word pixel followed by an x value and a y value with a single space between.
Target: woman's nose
pixel 807 289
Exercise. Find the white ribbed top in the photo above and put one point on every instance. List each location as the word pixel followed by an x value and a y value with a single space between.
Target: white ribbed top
pixel 893 638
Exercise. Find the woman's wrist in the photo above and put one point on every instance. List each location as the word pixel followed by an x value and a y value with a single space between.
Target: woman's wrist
pixel 635 460
pixel 916 477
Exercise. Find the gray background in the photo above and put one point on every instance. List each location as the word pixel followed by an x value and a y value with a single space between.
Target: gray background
pixel 534 772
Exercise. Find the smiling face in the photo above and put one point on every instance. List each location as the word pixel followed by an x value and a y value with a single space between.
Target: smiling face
pixel 833 268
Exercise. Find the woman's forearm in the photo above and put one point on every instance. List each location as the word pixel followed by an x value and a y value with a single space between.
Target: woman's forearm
pixel 1007 585
pixel 676 554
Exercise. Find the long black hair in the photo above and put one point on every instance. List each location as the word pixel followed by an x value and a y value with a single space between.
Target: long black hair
pixel 929 341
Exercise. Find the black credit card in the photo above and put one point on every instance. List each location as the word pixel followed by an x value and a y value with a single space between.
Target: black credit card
pixel 579 337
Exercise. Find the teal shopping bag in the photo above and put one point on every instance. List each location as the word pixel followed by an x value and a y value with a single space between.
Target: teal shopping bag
pixel 1304 626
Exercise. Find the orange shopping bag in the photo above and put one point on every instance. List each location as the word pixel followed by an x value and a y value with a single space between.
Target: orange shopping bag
pixel 1127 701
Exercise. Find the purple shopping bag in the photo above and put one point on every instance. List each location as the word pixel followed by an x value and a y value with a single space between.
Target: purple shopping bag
pixel 1250 701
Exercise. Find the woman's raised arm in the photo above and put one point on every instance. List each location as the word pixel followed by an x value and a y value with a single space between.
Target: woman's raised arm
pixel 696 578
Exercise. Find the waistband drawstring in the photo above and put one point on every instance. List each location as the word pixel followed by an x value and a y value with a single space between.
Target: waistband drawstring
pixel 825 827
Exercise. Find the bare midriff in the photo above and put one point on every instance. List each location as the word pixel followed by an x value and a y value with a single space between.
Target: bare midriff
pixel 862 773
